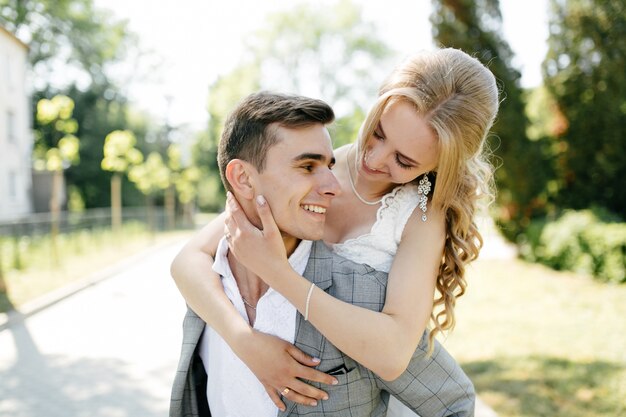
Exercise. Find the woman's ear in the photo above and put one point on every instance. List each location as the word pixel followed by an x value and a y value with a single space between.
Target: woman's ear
pixel 239 176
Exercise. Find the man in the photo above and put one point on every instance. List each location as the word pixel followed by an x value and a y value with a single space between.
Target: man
pixel 278 146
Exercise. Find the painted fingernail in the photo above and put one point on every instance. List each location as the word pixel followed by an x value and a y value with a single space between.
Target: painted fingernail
pixel 260 200
pixel 316 360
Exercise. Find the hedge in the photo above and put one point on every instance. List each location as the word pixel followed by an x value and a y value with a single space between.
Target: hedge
pixel 586 241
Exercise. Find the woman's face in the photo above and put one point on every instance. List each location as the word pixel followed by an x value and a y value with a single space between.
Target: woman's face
pixel 402 147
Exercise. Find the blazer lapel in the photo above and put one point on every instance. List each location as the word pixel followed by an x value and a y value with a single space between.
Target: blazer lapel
pixel 319 270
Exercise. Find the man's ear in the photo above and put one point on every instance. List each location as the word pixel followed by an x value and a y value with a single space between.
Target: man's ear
pixel 239 176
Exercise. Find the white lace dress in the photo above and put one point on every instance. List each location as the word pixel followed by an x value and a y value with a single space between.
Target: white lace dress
pixel 378 248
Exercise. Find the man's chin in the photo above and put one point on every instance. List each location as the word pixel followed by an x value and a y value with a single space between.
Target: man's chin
pixel 308 234
pixel 317 235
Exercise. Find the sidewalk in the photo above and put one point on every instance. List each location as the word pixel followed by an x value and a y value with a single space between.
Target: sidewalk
pixel 109 350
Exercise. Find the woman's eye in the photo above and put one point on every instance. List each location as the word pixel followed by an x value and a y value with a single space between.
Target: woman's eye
pixel 402 164
pixel 378 135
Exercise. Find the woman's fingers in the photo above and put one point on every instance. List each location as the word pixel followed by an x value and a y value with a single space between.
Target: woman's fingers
pixel 275 397
pixel 312 374
pixel 308 372
pixel 265 214
pixel 235 216
pixel 293 394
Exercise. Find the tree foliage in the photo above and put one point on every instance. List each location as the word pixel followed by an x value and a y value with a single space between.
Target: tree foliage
pixel 72 33
pixel 523 168
pixel 120 152
pixel 331 54
pixel 74 50
pixel 56 146
pixel 585 71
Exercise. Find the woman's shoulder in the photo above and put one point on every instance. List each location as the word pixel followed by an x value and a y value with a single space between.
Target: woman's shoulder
pixel 342 150
pixel 402 195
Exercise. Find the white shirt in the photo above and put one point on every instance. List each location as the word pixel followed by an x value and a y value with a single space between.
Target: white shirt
pixel 232 389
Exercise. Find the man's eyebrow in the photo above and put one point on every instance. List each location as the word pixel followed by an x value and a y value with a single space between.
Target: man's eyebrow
pixel 409 160
pixel 314 156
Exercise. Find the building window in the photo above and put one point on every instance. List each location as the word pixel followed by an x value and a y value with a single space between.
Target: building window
pixel 11 135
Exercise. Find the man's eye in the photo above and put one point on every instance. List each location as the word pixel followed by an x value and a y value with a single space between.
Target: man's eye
pixel 308 167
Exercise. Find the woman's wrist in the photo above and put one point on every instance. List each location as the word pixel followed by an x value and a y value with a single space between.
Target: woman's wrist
pixel 241 339
pixel 275 273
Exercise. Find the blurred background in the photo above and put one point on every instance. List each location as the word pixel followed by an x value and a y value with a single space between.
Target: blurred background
pixel 111 110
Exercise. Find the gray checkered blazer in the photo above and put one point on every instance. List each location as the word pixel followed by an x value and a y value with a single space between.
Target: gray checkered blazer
pixel 432 386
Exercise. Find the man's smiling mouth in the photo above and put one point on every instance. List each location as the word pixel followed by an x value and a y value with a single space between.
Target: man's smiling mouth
pixel 314 209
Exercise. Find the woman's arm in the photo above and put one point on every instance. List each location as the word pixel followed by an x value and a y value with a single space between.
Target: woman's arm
pixel 275 362
pixel 383 342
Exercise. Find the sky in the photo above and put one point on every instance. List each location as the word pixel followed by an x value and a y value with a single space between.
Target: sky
pixel 198 40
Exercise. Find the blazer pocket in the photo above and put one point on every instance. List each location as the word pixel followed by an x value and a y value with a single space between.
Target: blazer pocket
pixel 339 370
pixel 353 392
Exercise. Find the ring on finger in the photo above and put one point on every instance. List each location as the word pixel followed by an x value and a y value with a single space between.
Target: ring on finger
pixel 285 392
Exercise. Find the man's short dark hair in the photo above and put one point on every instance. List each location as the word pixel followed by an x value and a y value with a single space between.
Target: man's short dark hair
pixel 249 131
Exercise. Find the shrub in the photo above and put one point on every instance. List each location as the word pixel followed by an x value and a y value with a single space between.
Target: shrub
pixel 587 241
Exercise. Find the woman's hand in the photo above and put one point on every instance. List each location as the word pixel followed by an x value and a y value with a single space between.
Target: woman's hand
pixel 278 364
pixel 260 251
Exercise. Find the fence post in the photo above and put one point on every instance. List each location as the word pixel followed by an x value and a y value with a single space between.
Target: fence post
pixel 17 260
pixel 3 284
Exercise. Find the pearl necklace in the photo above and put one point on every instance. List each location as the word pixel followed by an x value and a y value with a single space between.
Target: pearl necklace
pixel 364 201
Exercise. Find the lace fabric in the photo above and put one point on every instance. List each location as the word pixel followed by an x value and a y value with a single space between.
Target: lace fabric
pixel 378 247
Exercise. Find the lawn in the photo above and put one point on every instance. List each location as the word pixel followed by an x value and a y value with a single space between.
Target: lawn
pixel 537 342
pixel 80 254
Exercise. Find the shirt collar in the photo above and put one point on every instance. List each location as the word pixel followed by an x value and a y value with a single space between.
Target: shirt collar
pixel 297 260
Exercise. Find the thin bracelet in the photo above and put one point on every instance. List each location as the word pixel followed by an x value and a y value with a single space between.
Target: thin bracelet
pixel 308 299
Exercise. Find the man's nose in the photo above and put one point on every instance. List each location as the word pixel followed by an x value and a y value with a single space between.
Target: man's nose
pixel 330 186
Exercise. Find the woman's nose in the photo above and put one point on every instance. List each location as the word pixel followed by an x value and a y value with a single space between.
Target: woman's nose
pixel 374 158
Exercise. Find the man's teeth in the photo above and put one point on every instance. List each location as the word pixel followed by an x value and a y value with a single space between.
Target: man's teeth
pixel 314 209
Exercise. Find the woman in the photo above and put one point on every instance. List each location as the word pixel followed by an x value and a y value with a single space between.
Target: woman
pixel 428 125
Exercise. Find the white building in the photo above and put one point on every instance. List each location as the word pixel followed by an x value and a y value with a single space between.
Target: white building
pixel 16 140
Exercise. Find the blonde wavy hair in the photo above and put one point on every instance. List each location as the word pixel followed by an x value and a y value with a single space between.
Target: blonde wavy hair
pixel 458 97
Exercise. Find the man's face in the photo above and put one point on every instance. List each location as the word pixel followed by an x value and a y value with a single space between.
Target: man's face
pixel 297 181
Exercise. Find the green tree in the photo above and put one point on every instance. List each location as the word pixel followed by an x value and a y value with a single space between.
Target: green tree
pixel 332 54
pixel 224 94
pixel 183 185
pixel 523 169
pixel 585 71
pixel 151 177
pixel 120 155
pixel 55 148
pixel 69 32
pixel 75 37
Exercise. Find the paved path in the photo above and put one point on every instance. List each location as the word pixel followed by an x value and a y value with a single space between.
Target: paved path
pixel 109 350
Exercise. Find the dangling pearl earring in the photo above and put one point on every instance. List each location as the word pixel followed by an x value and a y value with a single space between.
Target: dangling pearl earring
pixel 422 190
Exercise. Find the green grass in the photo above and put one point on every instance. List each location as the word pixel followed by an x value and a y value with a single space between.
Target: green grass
pixel 537 342
pixel 79 254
